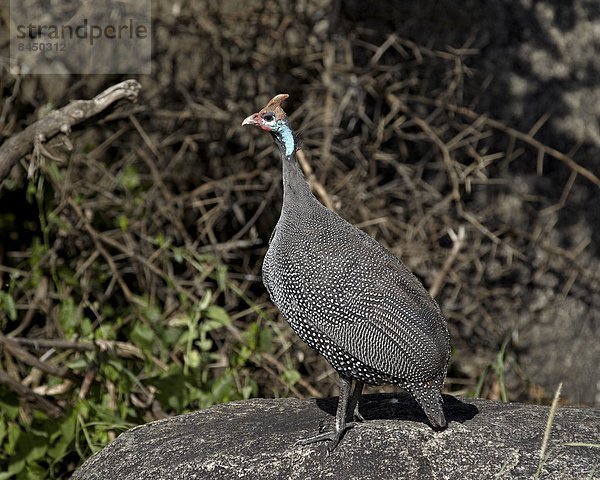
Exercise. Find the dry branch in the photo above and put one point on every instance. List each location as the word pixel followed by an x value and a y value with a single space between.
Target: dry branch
pixel 314 183
pixel 122 349
pixel 46 406
pixel 458 240
pixel 62 120
pixel 14 349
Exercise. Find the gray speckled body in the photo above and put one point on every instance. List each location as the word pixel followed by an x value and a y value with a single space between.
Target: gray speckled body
pixel 353 301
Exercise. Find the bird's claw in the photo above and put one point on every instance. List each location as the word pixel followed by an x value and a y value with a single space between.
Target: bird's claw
pixel 334 436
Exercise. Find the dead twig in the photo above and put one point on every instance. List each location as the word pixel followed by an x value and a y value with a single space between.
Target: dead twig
pixel 312 180
pixel 39 298
pixel 458 240
pixel 122 349
pixel 41 403
pixel 14 349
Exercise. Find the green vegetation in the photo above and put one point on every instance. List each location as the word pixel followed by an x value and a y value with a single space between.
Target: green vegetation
pixel 116 349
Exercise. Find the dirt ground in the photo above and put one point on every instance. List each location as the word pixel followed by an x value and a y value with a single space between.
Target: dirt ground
pixel 418 123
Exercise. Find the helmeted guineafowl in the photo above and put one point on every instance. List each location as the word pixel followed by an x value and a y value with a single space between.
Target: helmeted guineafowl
pixel 348 297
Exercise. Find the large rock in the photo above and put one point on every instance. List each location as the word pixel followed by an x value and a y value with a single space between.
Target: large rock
pixel 255 439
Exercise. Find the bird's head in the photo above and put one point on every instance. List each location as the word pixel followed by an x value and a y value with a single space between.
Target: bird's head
pixel 273 119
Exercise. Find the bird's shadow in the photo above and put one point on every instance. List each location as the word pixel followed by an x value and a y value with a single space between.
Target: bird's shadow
pixel 401 406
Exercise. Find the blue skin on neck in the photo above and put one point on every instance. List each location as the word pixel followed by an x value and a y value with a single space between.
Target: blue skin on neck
pixel 286 137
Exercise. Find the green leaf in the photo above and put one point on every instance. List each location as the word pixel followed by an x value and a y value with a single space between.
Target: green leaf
pixel 58 221
pixel 180 321
pixel 105 332
pixel 266 340
pixel 171 389
pixel 123 222
pixel 152 313
pixel 291 377
pixel 85 327
pixel 204 344
pixel 113 373
pixel 224 388
pixel 205 302
pixel 64 437
pixel 129 177
pixel 247 391
pixel 8 305
pixel 188 336
pixel 68 276
pixel 14 468
pixel 9 406
pixel 160 240
pixel 178 254
pixel 243 355
pixel 221 277
pixel 142 336
pixel 78 364
pixel 68 316
pixel 54 172
pixel 34 471
pixel 219 314
pixel 31 191
pixel 250 336
pixel 14 433
pixel 173 336
pixel 31 447
pixel 209 325
pixel 193 359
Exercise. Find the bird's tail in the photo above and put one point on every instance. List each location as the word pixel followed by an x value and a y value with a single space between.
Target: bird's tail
pixel 430 400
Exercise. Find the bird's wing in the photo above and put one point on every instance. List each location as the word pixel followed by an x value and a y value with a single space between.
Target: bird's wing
pixel 390 328
pixel 374 307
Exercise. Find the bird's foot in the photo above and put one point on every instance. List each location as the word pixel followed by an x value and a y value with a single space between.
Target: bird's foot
pixel 334 436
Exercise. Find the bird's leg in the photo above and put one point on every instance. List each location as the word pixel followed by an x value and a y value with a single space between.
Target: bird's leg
pixel 341 425
pixel 357 388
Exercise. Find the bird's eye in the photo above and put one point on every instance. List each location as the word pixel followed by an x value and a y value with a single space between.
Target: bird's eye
pixel 269 117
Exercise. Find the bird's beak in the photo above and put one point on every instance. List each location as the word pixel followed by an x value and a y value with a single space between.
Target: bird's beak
pixel 252 120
